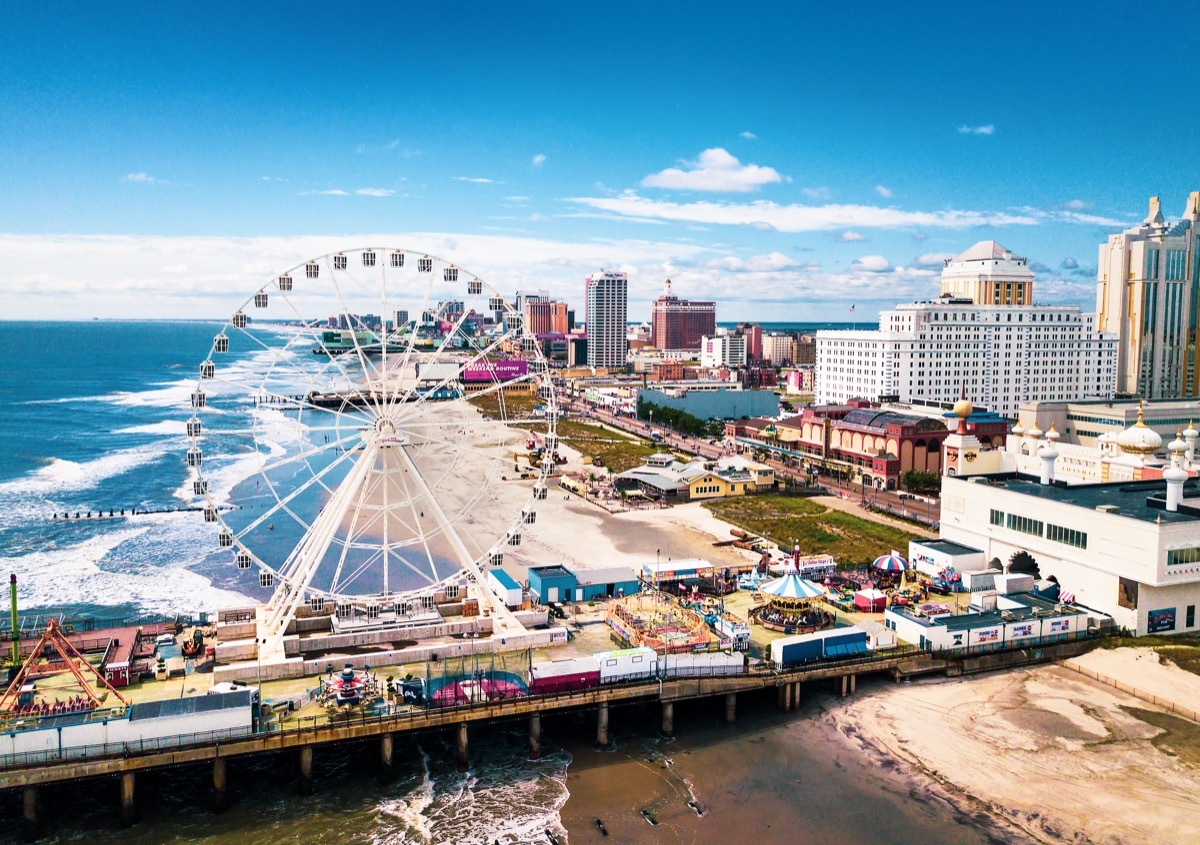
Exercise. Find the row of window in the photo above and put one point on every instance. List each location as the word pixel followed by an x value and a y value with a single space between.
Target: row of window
pixel 1066 536
pixel 1176 557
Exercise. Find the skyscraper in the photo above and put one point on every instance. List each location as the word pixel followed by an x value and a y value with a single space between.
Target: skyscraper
pixel 546 317
pixel 1000 354
pixel 679 323
pixel 1148 293
pixel 607 298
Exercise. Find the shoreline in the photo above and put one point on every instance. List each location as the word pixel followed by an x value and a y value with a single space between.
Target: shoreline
pixel 1038 754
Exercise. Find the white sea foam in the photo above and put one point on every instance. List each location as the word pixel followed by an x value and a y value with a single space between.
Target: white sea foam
pixel 85 573
pixel 166 428
pixel 504 798
pixel 62 476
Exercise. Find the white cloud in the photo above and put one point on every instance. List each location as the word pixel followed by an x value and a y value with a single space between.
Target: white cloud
pixel 1077 205
pixel 872 264
pixel 517 199
pixel 1069 264
pixel 766 215
pixel 933 259
pixel 821 193
pixel 749 136
pixel 375 192
pixel 755 264
pixel 849 236
pixel 1068 216
pixel 714 170
pixel 538 218
pixel 989 129
pixel 476 179
pixel 143 179
pixel 334 192
pixel 883 191
pixel 272 179
pixel 539 160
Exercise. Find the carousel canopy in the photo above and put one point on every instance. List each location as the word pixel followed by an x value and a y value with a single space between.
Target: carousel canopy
pixel 792 587
pixel 891 563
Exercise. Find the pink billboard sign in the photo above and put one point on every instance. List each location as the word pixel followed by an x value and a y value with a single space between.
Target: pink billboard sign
pixel 495 370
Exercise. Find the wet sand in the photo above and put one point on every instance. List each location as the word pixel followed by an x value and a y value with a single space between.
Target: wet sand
pixel 1035 755
pixel 768 778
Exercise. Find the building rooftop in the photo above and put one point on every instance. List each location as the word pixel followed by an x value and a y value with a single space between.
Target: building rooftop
pixel 1144 500
pixel 552 571
pixel 985 251
pixel 948 546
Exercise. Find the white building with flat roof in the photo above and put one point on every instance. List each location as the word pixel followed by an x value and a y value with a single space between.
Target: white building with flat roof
pixel 1000 354
pixel 726 350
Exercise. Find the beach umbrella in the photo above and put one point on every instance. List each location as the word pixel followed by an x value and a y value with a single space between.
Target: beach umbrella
pixel 891 563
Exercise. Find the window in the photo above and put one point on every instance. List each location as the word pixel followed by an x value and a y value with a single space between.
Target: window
pixel 1066 536
pixel 1177 557
pixel 1025 525
pixel 452 591
pixel 1190 616
pixel 997 517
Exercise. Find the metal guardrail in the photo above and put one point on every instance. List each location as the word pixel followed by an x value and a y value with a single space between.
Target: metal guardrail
pixel 413 717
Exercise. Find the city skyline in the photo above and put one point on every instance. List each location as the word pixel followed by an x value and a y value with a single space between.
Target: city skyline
pixel 156 164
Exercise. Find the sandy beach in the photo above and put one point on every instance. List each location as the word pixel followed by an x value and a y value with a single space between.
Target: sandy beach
pixel 1041 755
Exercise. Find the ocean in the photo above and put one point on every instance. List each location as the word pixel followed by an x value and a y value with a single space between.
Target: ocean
pixel 92 418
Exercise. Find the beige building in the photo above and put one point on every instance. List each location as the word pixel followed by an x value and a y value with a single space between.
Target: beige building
pixel 1147 293
pixel 988 274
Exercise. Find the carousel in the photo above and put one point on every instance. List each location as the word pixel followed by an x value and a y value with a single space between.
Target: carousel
pixel 349 689
pixel 791 604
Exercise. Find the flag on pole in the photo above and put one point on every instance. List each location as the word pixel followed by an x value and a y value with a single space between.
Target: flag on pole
pixel 851 309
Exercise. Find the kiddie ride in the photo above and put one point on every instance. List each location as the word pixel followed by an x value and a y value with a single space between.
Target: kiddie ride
pixel 349 690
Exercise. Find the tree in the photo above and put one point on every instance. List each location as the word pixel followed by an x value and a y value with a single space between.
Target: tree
pixel 916 481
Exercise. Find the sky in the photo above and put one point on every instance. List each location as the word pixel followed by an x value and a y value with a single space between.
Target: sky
pixel 787 160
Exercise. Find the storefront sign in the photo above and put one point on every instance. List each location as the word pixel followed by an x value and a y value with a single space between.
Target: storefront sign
pixel 1023 630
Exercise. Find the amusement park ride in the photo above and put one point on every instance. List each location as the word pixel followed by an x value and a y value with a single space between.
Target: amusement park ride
pixel 63 674
pixel 373 510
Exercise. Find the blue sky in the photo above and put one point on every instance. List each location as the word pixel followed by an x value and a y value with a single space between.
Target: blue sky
pixel 787 160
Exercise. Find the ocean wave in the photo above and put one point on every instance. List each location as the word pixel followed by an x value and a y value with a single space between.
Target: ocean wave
pixel 166 428
pixel 504 798
pixel 63 476
pixel 83 574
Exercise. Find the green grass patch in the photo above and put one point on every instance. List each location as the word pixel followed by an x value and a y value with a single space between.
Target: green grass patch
pixel 818 529
pixel 514 405
pixel 616 450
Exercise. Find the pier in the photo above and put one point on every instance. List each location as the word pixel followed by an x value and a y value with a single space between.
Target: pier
pixel 303 737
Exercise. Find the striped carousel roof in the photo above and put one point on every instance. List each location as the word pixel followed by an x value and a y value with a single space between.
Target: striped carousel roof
pixel 792 586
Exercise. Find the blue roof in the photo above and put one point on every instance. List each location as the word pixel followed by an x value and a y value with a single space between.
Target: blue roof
pixel 506 580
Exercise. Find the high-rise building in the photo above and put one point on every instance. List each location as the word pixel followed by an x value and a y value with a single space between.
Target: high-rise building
pixel 804 351
pixel 607 298
pixel 680 323
pixel 724 350
pixel 777 349
pixel 1148 294
pixel 753 334
pixel 546 317
pixel 1001 355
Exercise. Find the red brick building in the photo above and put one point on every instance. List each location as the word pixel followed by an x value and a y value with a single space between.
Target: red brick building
pixel 680 323
pixel 855 442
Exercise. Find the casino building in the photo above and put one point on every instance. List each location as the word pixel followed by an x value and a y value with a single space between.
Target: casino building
pixel 1128 547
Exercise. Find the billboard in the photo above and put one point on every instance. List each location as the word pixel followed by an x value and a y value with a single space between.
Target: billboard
pixel 1158 621
pixel 495 371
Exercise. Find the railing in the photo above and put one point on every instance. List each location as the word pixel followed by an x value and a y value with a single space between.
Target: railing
pixel 417 717
pixel 1011 645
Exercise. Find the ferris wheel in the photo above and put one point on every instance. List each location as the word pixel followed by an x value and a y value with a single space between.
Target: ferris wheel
pixel 402 425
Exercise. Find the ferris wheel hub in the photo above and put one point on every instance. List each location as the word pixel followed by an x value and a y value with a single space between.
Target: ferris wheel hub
pixel 385 434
